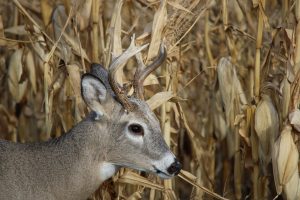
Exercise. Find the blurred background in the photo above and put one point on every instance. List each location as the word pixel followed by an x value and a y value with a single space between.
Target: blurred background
pixel 227 96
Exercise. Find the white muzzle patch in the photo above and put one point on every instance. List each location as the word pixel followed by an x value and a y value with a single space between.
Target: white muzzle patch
pixel 160 166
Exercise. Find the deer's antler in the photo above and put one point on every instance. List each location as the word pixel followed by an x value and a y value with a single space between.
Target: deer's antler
pixel 117 64
pixel 142 72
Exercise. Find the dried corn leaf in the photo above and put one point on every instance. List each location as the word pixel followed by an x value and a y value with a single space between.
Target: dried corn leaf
pixel 159 22
pixel 159 98
pixel 170 194
pixel 84 14
pixel 30 64
pixel 179 7
pixel 135 196
pixel 46 11
pixel 57 83
pixel 2 42
pixel 136 179
pixel 16 30
pixel 191 179
pixel 186 125
pixel 76 47
pixel 48 75
pixel 75 80
pixel 151 80
pixel 116 29
pixel 40 50
pixel 17 87
pixel 297 10
pixel 1 27
pixel 59 19
pixel 290 74
pixel 76 4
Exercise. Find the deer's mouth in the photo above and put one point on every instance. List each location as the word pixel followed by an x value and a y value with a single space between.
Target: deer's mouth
pixel 161 173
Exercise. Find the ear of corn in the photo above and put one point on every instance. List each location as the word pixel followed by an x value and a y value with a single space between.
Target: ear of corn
pixel 285 162
pixel 266 125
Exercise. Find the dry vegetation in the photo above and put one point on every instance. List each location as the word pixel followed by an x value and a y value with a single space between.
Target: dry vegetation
pixel 227 97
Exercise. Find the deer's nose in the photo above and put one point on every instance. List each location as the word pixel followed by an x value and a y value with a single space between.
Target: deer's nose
pixel 174 168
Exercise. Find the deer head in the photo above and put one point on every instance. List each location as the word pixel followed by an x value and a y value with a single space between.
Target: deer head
pixel 133 135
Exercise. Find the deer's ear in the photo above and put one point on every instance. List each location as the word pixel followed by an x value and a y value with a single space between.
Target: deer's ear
pixel 94 93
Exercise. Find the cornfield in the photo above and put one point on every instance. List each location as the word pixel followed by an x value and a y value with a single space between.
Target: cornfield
pixel 227 97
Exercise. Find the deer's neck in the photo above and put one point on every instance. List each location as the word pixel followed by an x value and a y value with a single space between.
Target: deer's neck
pixel 70 167
pixel 81 154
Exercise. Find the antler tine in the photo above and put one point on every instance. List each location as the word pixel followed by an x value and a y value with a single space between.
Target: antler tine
pixel 137 91
pixel 141 74
pixel 117 64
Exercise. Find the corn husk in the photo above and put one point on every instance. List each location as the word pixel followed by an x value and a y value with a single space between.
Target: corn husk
pixel 219 119
pixel 292 187
pixel 284 159
pixel 230 85
pixel 266 127
pixel 221 127
pixel 232 95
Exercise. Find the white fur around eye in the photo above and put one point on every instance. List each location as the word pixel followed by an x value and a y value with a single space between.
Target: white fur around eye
pixel 135 138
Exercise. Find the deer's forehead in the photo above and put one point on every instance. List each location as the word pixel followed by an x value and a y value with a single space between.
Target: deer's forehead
pixel 141 113
pixel 140 116
pixel 141 106
pixel 144 110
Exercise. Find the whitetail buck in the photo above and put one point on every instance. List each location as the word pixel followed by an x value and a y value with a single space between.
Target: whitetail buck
pixel 120 131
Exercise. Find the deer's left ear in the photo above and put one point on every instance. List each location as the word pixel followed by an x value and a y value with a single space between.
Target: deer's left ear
pixel 94 93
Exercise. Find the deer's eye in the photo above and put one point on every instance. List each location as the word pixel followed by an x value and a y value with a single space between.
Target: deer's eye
pixel 136 129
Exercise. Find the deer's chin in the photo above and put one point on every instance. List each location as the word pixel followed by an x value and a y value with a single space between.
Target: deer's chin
pixel 161 174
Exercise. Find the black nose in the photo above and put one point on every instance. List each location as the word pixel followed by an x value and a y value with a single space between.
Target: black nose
pixel 174 168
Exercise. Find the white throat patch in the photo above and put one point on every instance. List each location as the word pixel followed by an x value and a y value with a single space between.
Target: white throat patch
pixel 107 170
